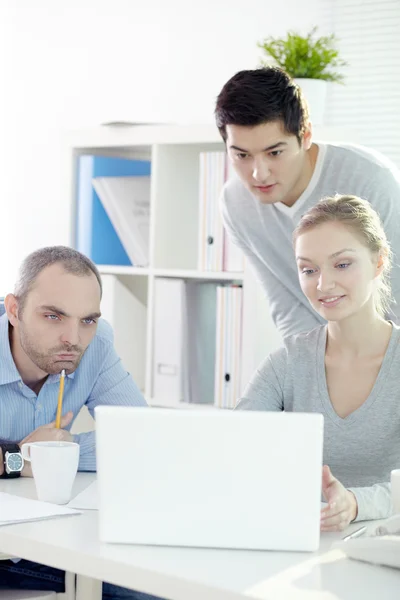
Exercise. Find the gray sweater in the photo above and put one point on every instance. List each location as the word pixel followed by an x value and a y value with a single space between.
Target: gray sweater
pixel 264 232
pixel 360 449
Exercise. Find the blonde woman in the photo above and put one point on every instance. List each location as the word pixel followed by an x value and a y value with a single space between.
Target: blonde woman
pixel 349 369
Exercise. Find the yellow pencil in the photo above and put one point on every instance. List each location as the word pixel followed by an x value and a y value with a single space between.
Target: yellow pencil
pixel 60 399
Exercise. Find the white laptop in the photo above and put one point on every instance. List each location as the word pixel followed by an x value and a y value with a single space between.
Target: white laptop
pixel 209 478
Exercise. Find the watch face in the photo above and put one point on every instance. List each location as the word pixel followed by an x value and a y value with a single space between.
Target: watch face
pixel 14 462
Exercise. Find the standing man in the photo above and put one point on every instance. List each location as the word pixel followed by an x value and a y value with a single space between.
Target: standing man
pixel 52 322
pixel 263 120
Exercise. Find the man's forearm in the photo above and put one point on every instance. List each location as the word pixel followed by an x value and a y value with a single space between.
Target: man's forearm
pixel 87 450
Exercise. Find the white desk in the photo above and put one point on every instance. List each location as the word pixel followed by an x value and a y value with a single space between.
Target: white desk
pixel 194 574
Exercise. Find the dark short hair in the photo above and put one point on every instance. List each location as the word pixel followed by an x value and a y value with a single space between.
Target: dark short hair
pixel 71 260
pixel 260 96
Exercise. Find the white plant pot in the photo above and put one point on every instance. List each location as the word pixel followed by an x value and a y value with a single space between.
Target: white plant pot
pixel 315 92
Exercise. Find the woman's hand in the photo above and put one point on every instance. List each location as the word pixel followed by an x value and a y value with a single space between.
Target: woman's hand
pixel 342 504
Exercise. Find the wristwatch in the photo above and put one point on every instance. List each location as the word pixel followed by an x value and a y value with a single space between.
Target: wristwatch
pixel 12 460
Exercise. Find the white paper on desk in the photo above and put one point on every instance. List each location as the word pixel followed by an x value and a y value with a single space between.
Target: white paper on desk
pixel 14 509
pixel 86 500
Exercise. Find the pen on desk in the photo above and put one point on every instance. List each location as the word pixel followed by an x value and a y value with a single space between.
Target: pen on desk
pixel 60 399
pixel 357 533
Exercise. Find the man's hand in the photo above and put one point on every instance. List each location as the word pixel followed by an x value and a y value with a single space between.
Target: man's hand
pixel 342 504
pixel 47 433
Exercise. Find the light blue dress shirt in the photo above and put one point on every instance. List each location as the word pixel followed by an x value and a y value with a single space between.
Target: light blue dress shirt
pixel 99 379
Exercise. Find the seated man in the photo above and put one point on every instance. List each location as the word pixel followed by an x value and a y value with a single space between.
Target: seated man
pixel 52 322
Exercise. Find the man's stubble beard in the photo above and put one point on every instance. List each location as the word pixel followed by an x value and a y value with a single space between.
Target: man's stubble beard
pixel 45 361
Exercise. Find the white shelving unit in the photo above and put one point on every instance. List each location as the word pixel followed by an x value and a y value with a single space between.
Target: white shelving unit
pixel 175 273
pixel 174 153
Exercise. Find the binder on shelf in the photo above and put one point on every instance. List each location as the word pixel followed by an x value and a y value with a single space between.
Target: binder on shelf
pixel 96 236
pixel 216 252
pixel 168 360
pixel 211 243
pixel 197 343
pixel 184 342
pixel 228 346
pixel 126 201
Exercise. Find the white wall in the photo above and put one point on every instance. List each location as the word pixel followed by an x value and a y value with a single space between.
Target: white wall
pixel 369 41
pixel 70 64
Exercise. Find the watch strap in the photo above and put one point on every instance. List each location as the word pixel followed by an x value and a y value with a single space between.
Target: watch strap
pixel 12 449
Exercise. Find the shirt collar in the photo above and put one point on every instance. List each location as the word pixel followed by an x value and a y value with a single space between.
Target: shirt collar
pixel 9 372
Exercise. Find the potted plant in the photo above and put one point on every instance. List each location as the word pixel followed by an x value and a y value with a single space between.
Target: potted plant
pixel 311 61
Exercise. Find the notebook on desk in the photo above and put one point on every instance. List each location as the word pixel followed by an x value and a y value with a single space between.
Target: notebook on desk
pixel 217 479
pixel 15 509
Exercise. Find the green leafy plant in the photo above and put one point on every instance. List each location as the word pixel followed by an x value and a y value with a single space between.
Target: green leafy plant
pixel 304 57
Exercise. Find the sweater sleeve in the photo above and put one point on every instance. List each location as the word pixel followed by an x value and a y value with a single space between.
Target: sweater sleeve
pixel 289 313
pixel 265 389
pixel 374 502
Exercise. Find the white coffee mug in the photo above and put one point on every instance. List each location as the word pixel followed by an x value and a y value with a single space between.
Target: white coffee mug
pixel 395 485
pixel 54 468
